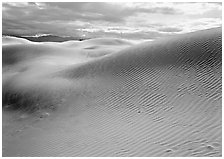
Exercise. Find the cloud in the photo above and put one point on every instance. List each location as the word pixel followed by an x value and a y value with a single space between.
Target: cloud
pixel 157 10
pixel 48 16
pixel 105 19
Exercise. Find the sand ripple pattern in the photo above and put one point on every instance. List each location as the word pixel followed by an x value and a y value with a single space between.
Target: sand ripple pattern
pixel 155 99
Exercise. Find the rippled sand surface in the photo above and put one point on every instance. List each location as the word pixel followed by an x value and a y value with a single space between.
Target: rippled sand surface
pixel 111 97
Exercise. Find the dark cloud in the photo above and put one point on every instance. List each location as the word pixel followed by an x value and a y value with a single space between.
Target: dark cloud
pixel 68 18
pixel 65 12
pixel 51 17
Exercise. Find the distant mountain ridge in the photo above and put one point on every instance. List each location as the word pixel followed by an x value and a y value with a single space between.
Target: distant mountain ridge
pixel 49 38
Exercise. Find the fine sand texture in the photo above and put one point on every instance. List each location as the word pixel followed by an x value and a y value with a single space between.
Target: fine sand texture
pixel 111 97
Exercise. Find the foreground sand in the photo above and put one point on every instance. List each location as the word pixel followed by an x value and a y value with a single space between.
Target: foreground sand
pixel 109 97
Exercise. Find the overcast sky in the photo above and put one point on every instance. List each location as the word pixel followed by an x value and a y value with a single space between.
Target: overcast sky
pixel 128 20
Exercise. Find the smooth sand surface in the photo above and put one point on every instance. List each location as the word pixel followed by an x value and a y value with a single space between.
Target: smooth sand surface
pixel 9 40
pixel 110 97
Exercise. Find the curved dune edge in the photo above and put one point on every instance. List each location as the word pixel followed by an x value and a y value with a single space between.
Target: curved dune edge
pixel 9 40
pixel 161 98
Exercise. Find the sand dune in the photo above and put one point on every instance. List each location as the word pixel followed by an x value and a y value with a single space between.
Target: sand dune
pixel 8 40
pixel 109 97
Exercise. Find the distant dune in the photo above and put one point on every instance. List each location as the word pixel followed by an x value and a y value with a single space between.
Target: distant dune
pixel 112 97
pixel 8 40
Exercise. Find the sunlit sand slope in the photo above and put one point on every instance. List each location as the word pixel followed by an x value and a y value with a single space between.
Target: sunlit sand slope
pixel 160 98
pixel 8 40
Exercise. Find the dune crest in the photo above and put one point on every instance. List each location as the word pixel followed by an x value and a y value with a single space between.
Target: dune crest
pixel 9 40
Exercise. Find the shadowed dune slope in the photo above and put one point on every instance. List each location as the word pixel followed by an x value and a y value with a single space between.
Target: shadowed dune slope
pixel 160 98
pixel 29 66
